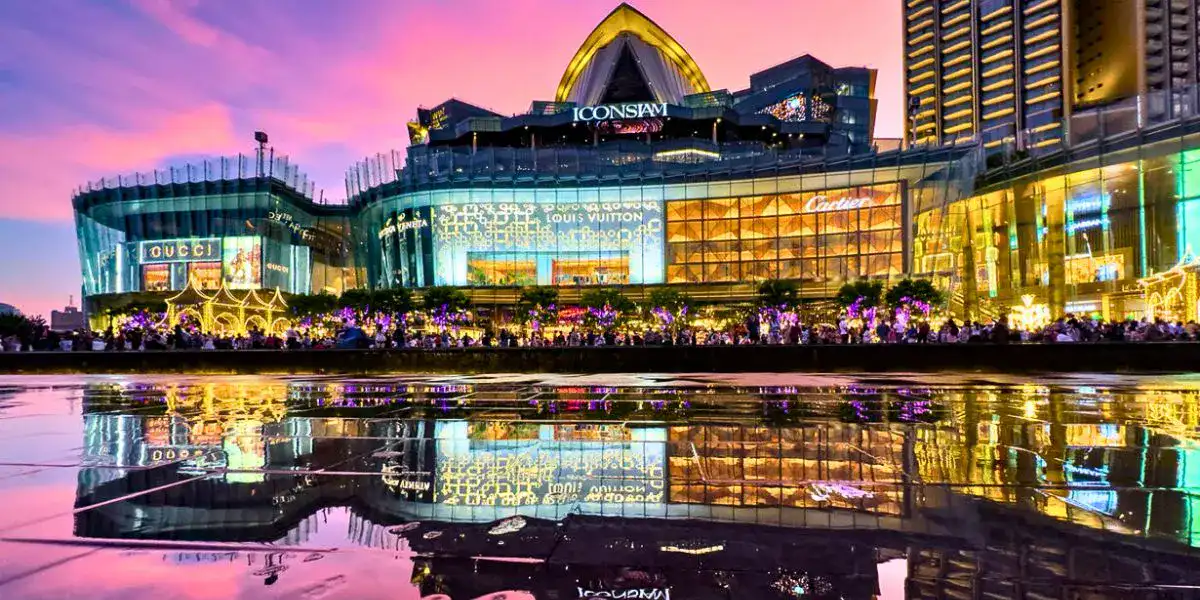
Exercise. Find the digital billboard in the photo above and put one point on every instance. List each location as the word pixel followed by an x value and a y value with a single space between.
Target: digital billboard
pixel 527 464
pixel 548 243
pixel 241 261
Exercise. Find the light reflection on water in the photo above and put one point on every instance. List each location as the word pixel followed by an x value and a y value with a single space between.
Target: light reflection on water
pixel 701 490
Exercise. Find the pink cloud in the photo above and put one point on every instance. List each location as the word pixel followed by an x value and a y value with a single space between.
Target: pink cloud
pixel 355 90
pixel 103 90
pixel 50 165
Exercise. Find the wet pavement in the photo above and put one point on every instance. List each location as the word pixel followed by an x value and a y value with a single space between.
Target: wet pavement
pixel 615 486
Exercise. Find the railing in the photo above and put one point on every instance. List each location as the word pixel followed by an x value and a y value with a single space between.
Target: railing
pixel 1138 113
pixel 614 160
pixel 242 166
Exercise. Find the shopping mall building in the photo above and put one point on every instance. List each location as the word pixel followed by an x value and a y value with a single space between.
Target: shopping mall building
pixel 638 174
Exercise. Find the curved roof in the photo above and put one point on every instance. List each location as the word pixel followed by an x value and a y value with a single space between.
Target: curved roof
pixel 623 25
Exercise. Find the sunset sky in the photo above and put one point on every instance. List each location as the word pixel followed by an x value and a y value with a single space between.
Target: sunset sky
pixel 96 88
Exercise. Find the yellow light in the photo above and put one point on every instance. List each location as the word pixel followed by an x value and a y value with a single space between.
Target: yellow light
pixel 624 19
pixel 1030 316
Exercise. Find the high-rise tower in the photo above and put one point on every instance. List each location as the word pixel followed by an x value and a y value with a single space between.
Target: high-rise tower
pixel 1014 71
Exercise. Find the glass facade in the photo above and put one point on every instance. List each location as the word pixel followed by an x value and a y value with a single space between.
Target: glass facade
pixel 1080 230
pixel 822 228
pixel 818 236
pixel 157 235
pixel 1077 236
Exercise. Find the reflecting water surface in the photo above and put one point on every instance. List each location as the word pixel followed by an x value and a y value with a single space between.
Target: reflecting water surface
pixel 746 486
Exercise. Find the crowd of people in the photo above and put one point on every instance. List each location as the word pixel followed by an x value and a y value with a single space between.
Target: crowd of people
pixel 753 331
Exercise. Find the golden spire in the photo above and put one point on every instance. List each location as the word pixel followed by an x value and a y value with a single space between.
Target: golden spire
pixel 627 19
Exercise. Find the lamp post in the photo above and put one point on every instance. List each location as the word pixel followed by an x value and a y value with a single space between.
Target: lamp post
pixel 261 138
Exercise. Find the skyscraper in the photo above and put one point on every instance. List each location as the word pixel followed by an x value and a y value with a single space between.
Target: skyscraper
pixel 1012 72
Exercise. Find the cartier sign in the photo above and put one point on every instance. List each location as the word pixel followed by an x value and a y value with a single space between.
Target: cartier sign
pixel 609 112
pixel 183 250
pixel 820 204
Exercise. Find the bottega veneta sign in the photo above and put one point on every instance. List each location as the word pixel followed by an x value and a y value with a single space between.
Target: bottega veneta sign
pixel 609 112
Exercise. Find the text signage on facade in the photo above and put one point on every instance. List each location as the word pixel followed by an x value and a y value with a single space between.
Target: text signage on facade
pixel 609 112
pixel 401 224
pixel 820 204
pixel 630 593
pixel 166 251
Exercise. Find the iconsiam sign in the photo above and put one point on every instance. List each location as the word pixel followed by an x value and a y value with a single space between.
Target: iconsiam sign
pixel 608 112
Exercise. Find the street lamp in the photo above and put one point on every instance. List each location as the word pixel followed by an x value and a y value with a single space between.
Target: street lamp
pixel 261 138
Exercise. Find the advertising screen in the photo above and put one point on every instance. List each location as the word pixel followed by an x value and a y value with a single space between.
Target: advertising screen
pixel 485 268
pixel 1086 268
pixel 241 261
pixel 518 243
pixel 525 464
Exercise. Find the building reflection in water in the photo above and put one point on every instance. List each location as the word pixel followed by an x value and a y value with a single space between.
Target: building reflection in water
pixel 983 492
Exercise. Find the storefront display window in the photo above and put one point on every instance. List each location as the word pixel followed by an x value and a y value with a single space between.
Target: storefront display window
pixel 206 274
pixel 485 270
pixel 156 278
pixel 602 271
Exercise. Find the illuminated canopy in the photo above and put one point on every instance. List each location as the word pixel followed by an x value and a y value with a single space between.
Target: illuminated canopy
pixel 629 55
pixel 224 312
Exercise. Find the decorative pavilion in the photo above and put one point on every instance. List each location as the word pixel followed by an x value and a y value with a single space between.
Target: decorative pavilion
pixel 1174 295
pixel 225 311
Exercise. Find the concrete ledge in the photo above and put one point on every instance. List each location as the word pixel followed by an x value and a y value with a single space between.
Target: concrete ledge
pixel 1103 357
